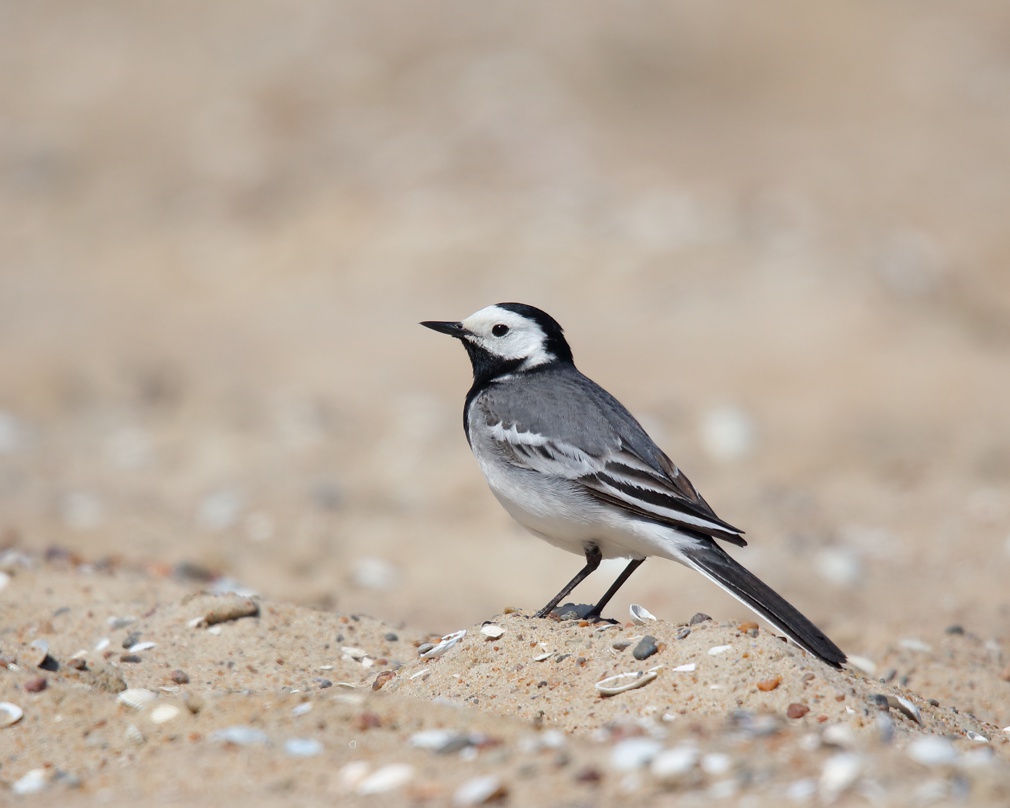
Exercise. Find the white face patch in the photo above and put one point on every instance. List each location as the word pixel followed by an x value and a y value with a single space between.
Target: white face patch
pixel 508 335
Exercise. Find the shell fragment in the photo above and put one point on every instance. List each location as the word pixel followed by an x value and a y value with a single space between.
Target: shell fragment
pixel 447 642
pixel 613 685
pixel 641 616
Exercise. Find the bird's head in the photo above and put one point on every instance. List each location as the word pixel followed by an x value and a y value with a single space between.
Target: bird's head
pixel 508 337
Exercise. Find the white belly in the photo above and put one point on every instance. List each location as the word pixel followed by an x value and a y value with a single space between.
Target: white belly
pixel 559 513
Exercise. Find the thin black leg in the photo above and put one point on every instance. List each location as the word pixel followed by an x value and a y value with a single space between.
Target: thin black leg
pixel 598 608
pixel 593 559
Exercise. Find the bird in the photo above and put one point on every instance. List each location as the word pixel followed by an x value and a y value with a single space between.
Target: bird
pixel 568 462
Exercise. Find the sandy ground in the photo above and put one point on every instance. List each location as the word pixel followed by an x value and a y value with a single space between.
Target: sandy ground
pixel 778 233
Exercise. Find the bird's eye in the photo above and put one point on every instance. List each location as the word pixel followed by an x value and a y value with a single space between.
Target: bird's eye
pixel 500 330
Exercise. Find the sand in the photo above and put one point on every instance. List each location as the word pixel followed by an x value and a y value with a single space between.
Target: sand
pixel 233 481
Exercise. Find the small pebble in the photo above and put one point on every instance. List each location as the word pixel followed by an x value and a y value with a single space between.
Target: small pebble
pixel 130 658
pixel 646 647
pixel 796 710
pixel 179 677
pixel 718 649
pixel 231 607
pixel 480 791
pixel 769 684
pixel 302 747
pixel 131 639
pixel 682 633
pixel 382 678
pixel 240 735
pixel 954 629
pixel 35 685
pixel 390 637
pixel 699 617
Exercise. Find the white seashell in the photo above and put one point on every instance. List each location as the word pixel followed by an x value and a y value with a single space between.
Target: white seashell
pixel 141 646
pixel 419 673
pixel 976 736
pixel 137 697
pixel 9 714
pixel 37 652
pixel 164 713
pixel 839 774
pixel 351 774
pixel 626 681
pixel 687 668
pixel 840 735
pixel 432 739
pixel 542 657
pixel 903 705
pixel 102 644
pixel 492 631
pixel 716 763
pixel 134 735
pixel 718 649
pixel 302 709
pixel 356 654
pixel 479 791
pixel 386 779
pixel 634 753
pixel 671 766
pixel 932 751
pixel 914 644
pixel 641 616
pixel 31 783
pixel 447 642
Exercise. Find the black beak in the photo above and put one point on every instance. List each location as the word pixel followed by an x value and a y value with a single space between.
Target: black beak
pixel 452 329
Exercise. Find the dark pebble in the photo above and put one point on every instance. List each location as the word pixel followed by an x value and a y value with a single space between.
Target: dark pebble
pixel 933 702
pixel 391 637
pixel 955 629
pixel 179 677
pixel 646 647
pixel 620 645
pixel 323 683
pixel 590 774
pixel 682 633
pixel 700 617
pixel 130 658
pixel 131 639
pixel 36 685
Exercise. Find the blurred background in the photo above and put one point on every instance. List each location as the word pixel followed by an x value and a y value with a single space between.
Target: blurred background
pixel 778 232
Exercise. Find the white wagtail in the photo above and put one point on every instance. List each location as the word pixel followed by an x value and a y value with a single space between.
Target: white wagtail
pixel 572 466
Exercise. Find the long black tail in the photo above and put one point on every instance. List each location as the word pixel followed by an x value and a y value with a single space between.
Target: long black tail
pixel 719 567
